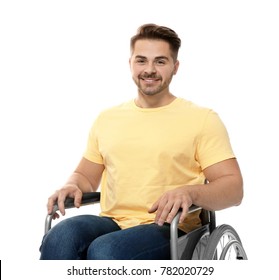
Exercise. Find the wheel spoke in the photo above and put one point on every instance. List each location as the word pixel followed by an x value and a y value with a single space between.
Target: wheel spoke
pixel 224 244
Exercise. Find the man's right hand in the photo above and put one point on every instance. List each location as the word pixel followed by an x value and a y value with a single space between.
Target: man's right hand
pixel 69 190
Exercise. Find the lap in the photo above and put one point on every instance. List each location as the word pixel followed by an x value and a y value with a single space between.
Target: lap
pixel 94 237
pixel 70 238
pixel 140 242
pixel 84 227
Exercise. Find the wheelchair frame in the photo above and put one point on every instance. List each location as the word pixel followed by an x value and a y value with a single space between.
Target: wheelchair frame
pixel 207 242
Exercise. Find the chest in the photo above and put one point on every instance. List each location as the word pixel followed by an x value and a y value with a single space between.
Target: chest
pixel 149 135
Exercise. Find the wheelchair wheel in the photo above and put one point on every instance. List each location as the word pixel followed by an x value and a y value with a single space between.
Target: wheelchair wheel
pixel 224 244
pixel 200 247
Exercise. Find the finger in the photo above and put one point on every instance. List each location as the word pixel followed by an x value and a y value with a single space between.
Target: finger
pixel 60 203
pixel 173 212
pixel 51 201
pixel 184 213
pixel 154 207
pixel 158 207
pixel 55 216
pixel 77 199
pixel 162 213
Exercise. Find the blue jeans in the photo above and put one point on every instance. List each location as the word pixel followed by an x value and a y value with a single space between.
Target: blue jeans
pixel 100 238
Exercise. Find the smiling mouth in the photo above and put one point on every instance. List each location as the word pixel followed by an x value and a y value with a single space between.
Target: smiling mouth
pixel 150 80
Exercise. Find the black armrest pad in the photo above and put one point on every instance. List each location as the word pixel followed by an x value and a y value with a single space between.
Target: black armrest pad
pixel 87 198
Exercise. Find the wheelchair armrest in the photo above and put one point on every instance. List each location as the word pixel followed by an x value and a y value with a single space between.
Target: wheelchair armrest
pixel 87 199
pixel 173 231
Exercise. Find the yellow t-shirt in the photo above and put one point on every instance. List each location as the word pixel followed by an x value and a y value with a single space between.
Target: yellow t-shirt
pixel 149 151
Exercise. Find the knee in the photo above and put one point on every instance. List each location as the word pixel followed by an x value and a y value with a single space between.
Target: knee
pixel 57 242
pixel 103 249
pixel 60 232
pixel 50 245
pixel 51 236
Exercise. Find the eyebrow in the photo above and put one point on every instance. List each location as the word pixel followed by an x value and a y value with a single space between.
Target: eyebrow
pixel 156 58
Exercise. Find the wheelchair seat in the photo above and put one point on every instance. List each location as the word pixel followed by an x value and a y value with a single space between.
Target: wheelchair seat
pixel 207 242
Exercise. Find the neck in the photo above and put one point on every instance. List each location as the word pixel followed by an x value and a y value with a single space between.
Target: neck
pixel 153 101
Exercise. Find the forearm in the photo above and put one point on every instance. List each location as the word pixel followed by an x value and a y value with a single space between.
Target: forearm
pixel 219 194
pixel 86 178
pixel 79 180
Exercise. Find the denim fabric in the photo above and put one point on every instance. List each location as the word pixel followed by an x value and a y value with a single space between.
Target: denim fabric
pixel 100 238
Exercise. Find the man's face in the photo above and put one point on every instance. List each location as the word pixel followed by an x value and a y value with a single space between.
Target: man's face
pixel 152 66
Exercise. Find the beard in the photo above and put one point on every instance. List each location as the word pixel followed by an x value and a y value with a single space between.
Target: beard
pixel 151 89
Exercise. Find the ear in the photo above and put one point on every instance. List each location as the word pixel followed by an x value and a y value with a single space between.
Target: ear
pixel 176 66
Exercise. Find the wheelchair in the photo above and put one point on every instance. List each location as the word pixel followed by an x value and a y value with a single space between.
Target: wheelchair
pixel 208 242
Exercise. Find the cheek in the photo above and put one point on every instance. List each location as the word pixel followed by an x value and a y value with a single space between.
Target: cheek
pixel 135 72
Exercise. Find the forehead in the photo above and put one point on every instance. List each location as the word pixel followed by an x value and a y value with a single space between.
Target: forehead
pixel 151 48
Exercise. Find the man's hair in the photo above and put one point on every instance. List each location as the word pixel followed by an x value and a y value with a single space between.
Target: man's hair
pixel 157 32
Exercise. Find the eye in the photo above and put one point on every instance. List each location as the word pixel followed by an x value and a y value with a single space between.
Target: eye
pixel 161 62
pixel 140 61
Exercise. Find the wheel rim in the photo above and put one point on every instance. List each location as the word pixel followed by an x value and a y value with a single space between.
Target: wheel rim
pixel 233 251
pixel 229 248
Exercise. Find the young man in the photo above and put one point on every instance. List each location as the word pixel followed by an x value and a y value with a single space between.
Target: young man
pixel 151 156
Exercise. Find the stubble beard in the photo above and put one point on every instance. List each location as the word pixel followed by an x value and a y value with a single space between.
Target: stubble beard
pixel 150 90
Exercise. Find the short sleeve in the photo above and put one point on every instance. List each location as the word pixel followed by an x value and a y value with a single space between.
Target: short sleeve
pixel 92 152
pixel 214 143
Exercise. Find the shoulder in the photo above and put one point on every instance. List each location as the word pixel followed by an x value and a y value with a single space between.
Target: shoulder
pixel 200 116
pixel 117 108
pixel 192 108
pixel 112 113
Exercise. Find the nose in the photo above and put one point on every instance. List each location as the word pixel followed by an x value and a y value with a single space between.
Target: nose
pixel 150 68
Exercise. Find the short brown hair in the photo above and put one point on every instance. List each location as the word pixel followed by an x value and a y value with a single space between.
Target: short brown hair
pixel 157 32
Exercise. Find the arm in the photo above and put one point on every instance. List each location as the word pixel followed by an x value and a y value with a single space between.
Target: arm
pixel 225 189
pixel 86 178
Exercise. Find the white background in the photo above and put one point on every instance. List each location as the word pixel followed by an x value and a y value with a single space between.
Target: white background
pixel 62 62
